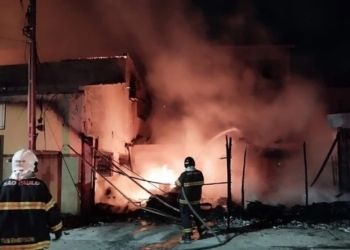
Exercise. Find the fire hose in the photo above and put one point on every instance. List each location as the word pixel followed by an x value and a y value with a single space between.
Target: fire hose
pixel 200 218
pixel 154 211
pixel 161 183
pixel 221 242
pixel 194 213
pixel 192 209
pixel 142 179
pixel 190 206
pixel 138 184
pixel 139 177
pixel 127 198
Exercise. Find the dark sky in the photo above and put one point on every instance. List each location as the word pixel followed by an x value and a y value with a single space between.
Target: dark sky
pixel 318 29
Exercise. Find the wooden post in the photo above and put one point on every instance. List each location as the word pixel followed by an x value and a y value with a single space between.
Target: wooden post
pixel 306 176
pixel 326 159
pixel 243 178
pixel 229 193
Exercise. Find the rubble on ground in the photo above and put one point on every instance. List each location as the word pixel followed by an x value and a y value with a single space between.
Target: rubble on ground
pixel 316 212
pixel 169 198
pixel 323 216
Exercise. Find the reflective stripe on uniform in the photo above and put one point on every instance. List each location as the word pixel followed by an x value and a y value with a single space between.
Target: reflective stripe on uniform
pixel 191 202
pixel 35 246
pixel 50 204
pixel 178 183
pixel 27 205
pixel 187 230
pixel 57 227
pixel 195 183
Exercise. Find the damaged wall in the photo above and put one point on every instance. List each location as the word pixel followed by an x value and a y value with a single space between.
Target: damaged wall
pixel 110 116
pixel 284 119
pixel 62 121
pixel 107 115
pixel 117 115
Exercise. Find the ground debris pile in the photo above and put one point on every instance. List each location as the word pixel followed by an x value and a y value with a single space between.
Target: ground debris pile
pixel 316 212
pixel 262 211
pixel 322 216
pixel 343 225
pixel 109 213
pixel 334 215
pixel 169 198
pixel 326 216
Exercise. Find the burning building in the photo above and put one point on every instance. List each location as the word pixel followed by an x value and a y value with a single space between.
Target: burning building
pixel 272 120
pixel 81 103
pixel 246 92
pixel 102 103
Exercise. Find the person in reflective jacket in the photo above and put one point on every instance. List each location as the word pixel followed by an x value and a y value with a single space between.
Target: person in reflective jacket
pixel 191 180
pixel 28 213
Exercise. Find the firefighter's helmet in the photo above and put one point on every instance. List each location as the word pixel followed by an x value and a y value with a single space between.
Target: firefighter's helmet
pixel 189 162
pixel 24 160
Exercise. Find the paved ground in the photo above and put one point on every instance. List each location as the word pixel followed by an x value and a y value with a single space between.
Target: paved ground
pixel 149 237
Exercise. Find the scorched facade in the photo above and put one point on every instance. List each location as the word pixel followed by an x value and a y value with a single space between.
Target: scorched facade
pixel 100 102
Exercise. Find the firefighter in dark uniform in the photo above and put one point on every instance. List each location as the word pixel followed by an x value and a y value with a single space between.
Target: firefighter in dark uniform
pixel 192 181
pixel 28 213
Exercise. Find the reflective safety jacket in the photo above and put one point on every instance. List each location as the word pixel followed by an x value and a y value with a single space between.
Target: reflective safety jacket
pixel 28 214
pixel 192 181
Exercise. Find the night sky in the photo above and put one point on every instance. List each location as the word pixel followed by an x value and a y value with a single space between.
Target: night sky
pixel 317 28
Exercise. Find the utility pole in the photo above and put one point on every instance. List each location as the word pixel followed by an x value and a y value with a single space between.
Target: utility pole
pixel 229 181
pixel 30 32
pixel 306 176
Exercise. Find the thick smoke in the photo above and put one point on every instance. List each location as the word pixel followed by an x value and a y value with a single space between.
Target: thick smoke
pixel 201 89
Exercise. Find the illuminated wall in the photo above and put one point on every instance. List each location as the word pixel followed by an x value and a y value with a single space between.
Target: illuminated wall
pixel 62 124
pixel 110 116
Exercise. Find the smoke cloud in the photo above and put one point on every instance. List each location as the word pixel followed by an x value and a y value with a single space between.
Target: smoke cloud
pixel 201 89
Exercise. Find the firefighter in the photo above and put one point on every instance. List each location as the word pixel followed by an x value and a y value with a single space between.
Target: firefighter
pixel 28 213
pixel 191 180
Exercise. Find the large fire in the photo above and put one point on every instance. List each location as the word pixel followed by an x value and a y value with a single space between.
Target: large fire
pixel 160 179
pixel 164 176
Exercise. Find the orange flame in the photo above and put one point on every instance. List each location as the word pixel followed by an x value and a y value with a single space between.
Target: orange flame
pixel 165 175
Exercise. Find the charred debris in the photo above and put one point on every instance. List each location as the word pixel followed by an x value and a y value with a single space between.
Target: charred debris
pixel 255 216
pixel 255 210
pixel 230 215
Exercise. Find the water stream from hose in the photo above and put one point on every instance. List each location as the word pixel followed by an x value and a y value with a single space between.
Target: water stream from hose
pixel 233 129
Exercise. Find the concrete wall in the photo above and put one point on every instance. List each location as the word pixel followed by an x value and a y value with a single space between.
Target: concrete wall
pixel 61 117
pixel 105 112
pixel 62 124
pixel 109 115
pixel 70 177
